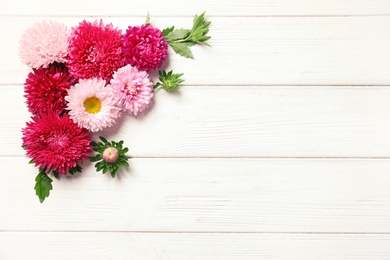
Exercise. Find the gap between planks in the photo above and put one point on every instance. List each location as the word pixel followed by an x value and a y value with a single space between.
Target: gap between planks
pixel 195 232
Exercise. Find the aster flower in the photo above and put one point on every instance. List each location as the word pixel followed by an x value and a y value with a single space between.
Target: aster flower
pixel 44 43
pixel 55 143
pixel 110 156
pixel 144 47
pixel 95 50
pixel 92 104
pixel 133 88
pixel 45 89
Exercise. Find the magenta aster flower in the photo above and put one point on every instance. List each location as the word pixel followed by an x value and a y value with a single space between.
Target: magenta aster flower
pixel 44 43
pixel 144 47
pixel 95 50
pixel 133 89
pixel 45 89
pixel 55 143
pixel 92 104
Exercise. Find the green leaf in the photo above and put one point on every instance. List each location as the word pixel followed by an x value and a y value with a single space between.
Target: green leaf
pixel 166 31
pixel 177 34
pixel 43 185
pixel 181 49
pixel 103 139
pixel 56 175
pixel 147 18
pixel 181 39
pixel 169 81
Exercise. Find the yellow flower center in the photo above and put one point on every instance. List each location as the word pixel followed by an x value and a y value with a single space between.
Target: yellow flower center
pixel 92 105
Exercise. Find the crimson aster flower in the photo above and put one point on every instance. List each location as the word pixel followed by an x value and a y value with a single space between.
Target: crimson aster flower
pixel 95 50
pixel 133 88
pixel 44 43
pixel 55 143
pixel 92 104
pixel 144 47
pixel 45 89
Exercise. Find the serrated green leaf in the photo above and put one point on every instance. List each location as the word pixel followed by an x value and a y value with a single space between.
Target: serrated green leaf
pixel 166 31
pixel 181 49
pixel 43 185
pixel 177 34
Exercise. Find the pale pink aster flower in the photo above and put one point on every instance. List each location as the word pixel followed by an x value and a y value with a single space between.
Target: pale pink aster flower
pixel 133 89
pixel 92 104
pixel 44 43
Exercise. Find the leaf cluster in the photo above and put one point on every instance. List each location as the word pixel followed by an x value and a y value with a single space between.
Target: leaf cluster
pixel 104 166
pixel 182 39
pixel 169 81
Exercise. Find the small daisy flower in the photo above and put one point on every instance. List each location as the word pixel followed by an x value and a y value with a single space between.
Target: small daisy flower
pixel 110 156
pixel 92 104
pixel 44 43
pixel 133 88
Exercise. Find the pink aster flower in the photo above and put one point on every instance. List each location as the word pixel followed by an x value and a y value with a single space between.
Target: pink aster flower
pixel 44 43
pixel 133 88
pixel 95 50
pixel 92 104
pixel 45 89
pixel 55 143
pixel 144 47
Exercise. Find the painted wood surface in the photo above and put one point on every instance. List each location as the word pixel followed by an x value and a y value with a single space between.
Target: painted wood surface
pixel 261 50
pixel 193 246
pixel 242 121
pixel 207 195
pixel 277 147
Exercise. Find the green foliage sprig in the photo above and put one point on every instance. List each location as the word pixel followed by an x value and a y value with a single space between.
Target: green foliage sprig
pixel 105 152
pixel 182 39
pixel 169 81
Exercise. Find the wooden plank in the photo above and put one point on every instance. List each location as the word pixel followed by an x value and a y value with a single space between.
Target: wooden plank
pixel 241 121
pixel 253 50
pixel 178 246
pixel 177 7
pixel 205 195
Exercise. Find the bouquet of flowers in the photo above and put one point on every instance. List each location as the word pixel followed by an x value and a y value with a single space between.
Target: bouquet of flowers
pixel 83 80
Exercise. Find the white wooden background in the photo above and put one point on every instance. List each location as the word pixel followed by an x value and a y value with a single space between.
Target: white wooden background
pixel 277 147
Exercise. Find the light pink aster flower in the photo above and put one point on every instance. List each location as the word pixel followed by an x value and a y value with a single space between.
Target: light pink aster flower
pixel 92 104
pixel 44 43
pixel 133 89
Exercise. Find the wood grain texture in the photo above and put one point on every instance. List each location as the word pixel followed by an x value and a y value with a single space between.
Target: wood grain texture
pixel 187 8
pixel 179 246
pixel 256 51
pixel 203 121
pixel 206 195
pixel 220 170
